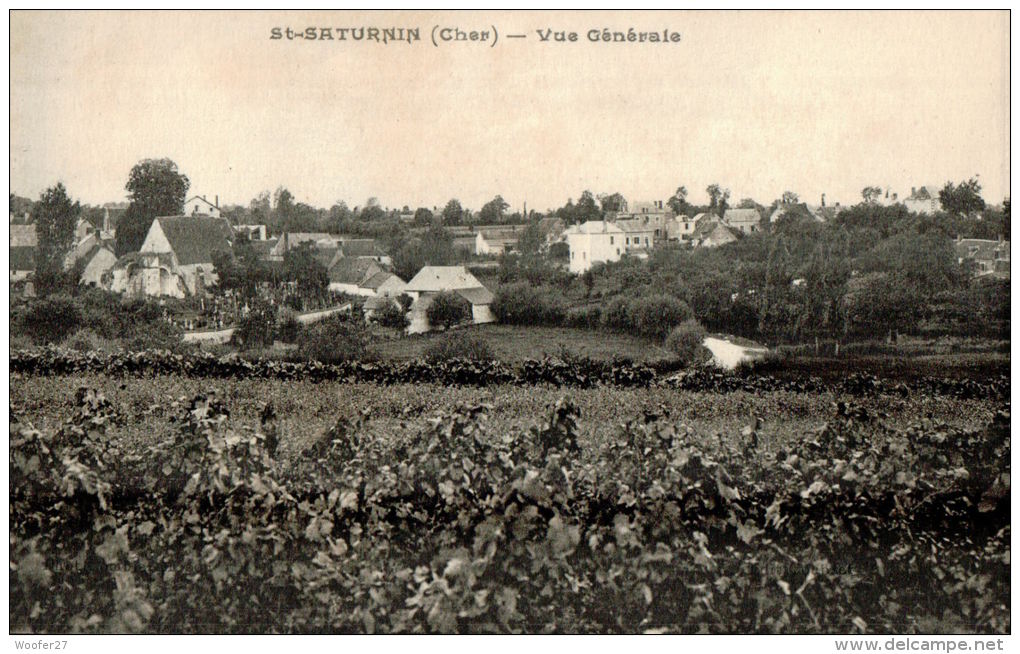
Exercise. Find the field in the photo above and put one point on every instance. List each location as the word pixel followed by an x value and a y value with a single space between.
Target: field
pixel 178 503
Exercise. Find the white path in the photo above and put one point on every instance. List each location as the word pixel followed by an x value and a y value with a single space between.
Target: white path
pixel 728 355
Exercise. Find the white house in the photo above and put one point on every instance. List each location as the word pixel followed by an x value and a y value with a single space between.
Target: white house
pixel 347 274
pixel 680 228
pixel 639 234
pixel 433 280
pixel 924 200
pixel 199 206
pixel 593 242
pixel 498 240
pixel 98 261
pixel 384 284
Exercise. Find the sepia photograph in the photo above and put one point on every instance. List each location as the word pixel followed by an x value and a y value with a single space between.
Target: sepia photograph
pixel 510 322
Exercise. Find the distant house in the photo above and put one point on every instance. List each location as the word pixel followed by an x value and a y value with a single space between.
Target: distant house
pixel 746 220
pixel 98 261
pixel 924 200
pixel 711 231
pixel 654 215
pixel 198 206
pixel 366 248
pixel 181 246
pixel 254 232
pixel 291 240
pixel 595 241
pixel 347 274
pixel 433 280
pixel 552 228
pixel 794 210
pixel 638 234
pixel 680 228
pixel 988 257
pixel 497 240
pixel 384 284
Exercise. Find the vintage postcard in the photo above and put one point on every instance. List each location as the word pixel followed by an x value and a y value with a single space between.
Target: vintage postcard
pixel 511 322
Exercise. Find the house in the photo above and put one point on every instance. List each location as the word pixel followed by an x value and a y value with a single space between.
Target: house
pixel 347 274
pixel 190 242
pixel 82 229
pixel 198 206
pixel 595 241
pixel 652 214
pixel 365 247
pixel 680 228
pixel 98 261
pixel 377 303
pixel 80 249
pixel 712 231
pixel 794 210
pixel 924 200
pixel 638 234
pixel 433 280
pixel 384 284
pixel 291 240
pixel 746 220
pixel 988 257
pixel 254 232
pixel 497 240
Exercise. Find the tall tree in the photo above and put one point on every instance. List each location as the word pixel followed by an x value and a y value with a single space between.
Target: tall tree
pixel 453 213
pixel 493 210
pixel 586 208
pixel 871 194
pixel 155 188
pixel 962 200
pixel 55 218
pixel 718 199
pixel 678 203
pixel 613 202
pixel 789 197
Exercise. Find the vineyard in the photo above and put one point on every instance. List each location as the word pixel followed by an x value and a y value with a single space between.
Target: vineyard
pixel 432 509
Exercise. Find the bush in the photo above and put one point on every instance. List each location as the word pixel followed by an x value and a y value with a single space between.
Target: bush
pixel 617 315
pixel 584 317
pixel 288 329
pixel 524 304
pixel 157 334
pixel 458 346
pixel 52 319
pixel 654 316
pixel 258 328
pixel 337 339
pixel 448 309
pixel 405 301
pixel 685 341
pixel 391 316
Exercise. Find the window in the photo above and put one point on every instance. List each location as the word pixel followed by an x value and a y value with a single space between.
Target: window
pixel 628 240
pixel 646 240
pixel 618 250
pixel 610 240
pixel 572 255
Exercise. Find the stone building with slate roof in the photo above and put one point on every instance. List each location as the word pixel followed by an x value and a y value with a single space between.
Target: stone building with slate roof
pixel 188 244
pixel 433 280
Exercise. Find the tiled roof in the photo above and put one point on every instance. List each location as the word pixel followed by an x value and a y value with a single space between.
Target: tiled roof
pixel 23 235
pixel 594 227
pixel 742 216
pixel 352 270
pixel 195 238
pixel 636 225
pixel 361 247
pixel 378 279
pixel 478 296
pixel 442 278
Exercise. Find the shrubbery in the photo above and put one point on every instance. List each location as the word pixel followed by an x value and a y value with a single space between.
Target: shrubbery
pixel 584 317
pixel 52 319
pixel 339 338
pixel 523 304
pixel 288 329
pixel 391 316
pixel 258 329
pixel 458 346
pixel 448 309
pixel 685 341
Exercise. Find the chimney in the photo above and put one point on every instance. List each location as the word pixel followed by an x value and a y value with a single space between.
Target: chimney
pixel 913 191
pixel 823 199
pixel 217 201
pixel 106 219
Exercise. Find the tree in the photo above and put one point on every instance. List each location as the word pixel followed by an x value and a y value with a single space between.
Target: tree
pixel 448 309
pixel 678 203
pixel 493 210
pixel 155 188
pixel 789 197
pixel 55 218
pixel 871 194
pixel 613 202
pixel 586 209
pixel 962 200
pixel 717 199
pixel 301 266
pixel 452 213
pixel 531 240
pixel 372 211
pixel 423 217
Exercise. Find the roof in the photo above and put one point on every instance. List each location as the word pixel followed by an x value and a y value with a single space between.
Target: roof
pixel 199 197
pixel 378 279
pixel 705 228
pixel 262 248
pixel 352 270
pixel 980 249
pixel 798 209
pixel 195 238
pixel 507 234
pixel 23 235
pixel 361 247
pixel 162 259
pixel 478 296
pixel 22 257
pixel 442 278
pixel 635 225
pixel 325 255
pixel 742 216
pixel 295 239
pixel 594 227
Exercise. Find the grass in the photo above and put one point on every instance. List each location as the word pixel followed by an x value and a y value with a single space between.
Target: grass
pixel 514 344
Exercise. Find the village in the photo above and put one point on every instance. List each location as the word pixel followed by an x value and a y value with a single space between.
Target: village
pixel 181 259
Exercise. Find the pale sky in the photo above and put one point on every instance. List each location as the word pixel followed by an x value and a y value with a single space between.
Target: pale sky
pixel 759 102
